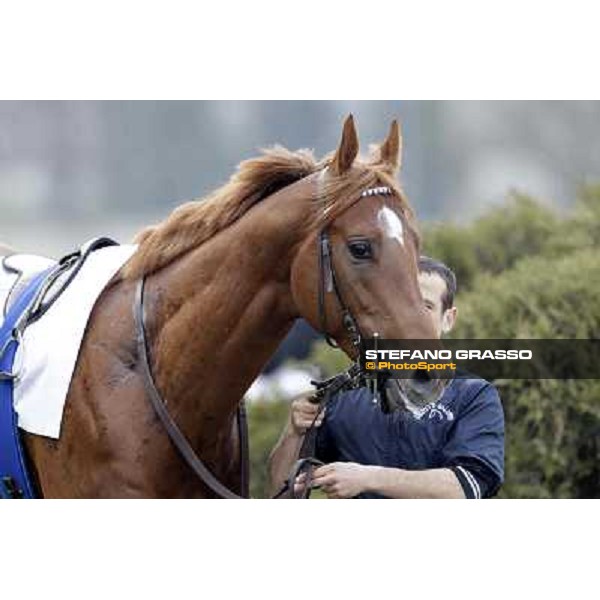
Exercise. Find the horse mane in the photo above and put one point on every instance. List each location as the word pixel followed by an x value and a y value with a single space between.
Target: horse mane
pixel 195 222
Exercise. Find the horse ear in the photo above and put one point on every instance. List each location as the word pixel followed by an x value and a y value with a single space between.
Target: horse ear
pixel 391 150
pixel 347 150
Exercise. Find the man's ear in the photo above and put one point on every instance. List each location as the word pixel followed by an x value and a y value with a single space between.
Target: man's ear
pixel 449 319
pixel 347 150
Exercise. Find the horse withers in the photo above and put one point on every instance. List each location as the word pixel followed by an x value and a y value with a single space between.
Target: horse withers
pixel 225 278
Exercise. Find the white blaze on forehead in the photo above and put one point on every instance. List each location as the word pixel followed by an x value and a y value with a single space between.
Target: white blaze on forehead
pixel 391 224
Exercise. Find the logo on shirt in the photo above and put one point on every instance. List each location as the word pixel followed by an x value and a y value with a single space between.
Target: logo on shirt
pixel 435 411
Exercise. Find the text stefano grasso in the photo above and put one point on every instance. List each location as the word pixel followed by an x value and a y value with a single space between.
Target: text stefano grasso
pixel 410 355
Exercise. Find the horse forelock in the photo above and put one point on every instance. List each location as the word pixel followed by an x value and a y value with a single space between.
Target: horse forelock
pixel 195 222
pixel 338 194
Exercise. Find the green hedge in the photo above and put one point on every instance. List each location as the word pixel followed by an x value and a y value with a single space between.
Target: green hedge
pixel 520 228
pixel 552 426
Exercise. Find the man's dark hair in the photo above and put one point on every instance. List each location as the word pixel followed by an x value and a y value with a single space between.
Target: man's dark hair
pixel 430 265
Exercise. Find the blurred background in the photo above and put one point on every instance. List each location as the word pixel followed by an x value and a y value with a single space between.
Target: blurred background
pixel 84 168
pixel 507 193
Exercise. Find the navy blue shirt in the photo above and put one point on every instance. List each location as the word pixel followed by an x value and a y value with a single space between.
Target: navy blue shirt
pixel 463 431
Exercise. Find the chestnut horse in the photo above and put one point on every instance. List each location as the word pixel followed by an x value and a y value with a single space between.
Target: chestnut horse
pixel 225 279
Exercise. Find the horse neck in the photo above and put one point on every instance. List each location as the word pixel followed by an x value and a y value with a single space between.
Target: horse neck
pixel 217 314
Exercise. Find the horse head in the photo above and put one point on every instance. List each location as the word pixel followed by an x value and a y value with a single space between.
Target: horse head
pixel 356 273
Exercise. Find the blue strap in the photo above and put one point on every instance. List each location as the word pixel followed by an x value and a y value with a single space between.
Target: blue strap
pixel 12 456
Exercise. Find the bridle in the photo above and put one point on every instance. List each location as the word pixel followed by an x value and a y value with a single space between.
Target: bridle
pixel 325 390
pixel 327 284
pixel 328 281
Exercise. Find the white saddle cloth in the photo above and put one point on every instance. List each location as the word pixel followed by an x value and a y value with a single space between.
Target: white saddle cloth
pixel 51 345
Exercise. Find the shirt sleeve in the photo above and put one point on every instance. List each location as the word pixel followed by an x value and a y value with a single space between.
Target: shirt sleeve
pixel 474 449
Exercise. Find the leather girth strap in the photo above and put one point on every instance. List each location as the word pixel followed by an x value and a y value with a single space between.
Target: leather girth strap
pixel 172 429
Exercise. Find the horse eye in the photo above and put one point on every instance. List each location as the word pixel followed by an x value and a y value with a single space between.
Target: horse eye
pixel 360 249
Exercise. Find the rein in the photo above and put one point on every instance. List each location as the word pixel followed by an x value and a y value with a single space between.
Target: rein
pixel 172 429
pixel 306 463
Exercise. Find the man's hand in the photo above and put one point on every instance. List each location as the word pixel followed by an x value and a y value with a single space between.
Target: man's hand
pixel 284 454
pixel 303 413
pixel 341 479
pixel 346 480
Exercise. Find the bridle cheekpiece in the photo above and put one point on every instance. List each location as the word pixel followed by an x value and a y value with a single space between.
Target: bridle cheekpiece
pixel 327 279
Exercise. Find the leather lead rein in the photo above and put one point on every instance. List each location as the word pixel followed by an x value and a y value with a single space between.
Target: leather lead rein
pixel 172 429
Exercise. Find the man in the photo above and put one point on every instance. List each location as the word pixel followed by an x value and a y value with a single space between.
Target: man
pixel 450 448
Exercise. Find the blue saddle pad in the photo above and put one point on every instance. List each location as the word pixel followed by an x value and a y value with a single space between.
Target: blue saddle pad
pixel 15 481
